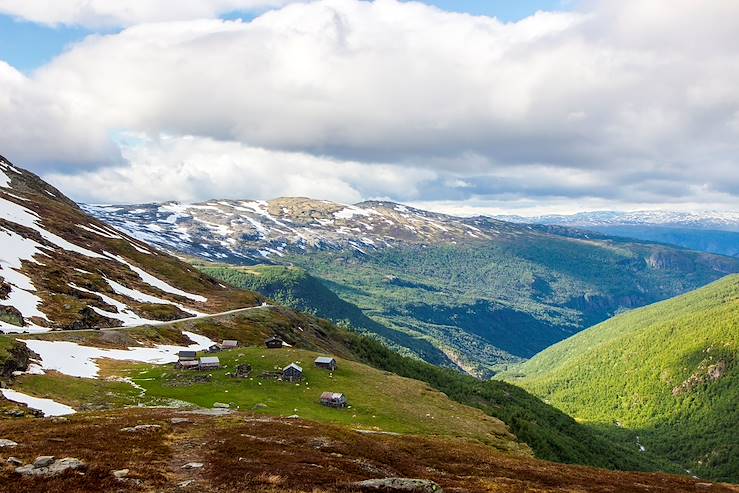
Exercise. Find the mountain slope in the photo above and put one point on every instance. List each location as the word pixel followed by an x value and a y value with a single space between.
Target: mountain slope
pixel 669 372
pixel 482 292
pixel 60 268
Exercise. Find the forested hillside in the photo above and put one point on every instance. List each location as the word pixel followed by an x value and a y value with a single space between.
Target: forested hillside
pixel 667 373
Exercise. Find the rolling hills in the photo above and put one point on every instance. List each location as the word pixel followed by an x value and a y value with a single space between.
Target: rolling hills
pixel 667 373
pixel 61 268
pixel 471 293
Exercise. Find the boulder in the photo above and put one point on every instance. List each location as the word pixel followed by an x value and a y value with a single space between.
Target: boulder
pixel 120 474
pixel 53 468
pixel 14 461
pixel 142 428
pixel 5 443
pixel 193 465
pixel 179 421
pixel 391 485
pixel 220 405
pixel 43 461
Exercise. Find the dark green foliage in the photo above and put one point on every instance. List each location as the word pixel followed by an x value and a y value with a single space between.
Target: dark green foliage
pixel 550 433
pixel 492 303
pixel 668 372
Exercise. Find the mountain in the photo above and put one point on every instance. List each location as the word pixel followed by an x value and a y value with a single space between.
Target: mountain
pixel 713 232
pixel 63 269
pixel 470 293
pixel 712 220
pixel 667 375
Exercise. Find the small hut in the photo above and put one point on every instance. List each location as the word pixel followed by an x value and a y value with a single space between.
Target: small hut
pixel 326 363
pixel 292 373
pixel 230 344
pixel 274 342
pixel 189 364
pixel 215 348
pixel 209 363
pixel 187 356
pixel 333 399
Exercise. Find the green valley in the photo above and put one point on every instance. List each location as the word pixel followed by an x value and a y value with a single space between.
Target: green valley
pixel 666 373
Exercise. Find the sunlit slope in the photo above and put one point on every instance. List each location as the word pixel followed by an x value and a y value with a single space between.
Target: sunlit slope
pixel 667 371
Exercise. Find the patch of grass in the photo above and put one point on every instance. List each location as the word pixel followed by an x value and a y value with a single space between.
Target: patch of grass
pixel 379 401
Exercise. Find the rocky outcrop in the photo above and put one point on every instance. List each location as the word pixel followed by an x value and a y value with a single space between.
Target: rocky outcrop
pixel 706 373
pixel 47 466
pixel 17 359
pixel 391 485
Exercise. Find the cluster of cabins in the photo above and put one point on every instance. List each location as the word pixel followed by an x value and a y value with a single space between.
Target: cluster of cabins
pixel 189 360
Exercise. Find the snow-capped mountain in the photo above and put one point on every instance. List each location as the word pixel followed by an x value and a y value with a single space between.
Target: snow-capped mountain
pixel 60 268
pixel 244 230
pixel 718 220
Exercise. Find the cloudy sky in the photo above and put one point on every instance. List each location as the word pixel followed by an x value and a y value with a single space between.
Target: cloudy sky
pixel 461 106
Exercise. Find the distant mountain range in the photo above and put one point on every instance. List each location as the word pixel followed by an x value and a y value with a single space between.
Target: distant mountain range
pixel 713 232
pixel 472 293
pixel 724 221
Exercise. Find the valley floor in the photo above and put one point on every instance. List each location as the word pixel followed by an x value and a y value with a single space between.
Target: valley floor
pixel 244 452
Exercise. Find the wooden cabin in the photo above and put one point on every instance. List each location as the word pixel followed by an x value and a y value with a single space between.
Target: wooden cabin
pixel 209 363
pixel 292 373
pixel 187 356
pixel 188 364
pixel 274 342
pixel 215 348
pixel 333 399
pixel 230 344
pixel 326 363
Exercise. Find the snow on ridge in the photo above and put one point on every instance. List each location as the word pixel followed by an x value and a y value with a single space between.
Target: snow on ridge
pixel 70 358
pixel 350 211
pixel 125 314
pixel 156 282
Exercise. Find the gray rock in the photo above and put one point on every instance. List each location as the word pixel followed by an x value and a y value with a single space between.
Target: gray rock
pixel 185 484
pixel 193 465
pixel 260 406
pixel 14 461
pixel 142 428
pixel 5 443
pixel 399 485
pixel 293 416
pixel 43 461
pixel 179 421
pixel 54 468
pixel 120 474
pixel 220 405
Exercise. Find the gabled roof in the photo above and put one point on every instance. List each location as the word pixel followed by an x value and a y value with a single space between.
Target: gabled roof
pixel 325 359
pixel 331 395
pixel 230 342
pixel 273 338
pixel 209 360
pixel 293 365
pixel 187 353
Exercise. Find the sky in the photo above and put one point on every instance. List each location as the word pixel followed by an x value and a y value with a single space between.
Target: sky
pixel 527 107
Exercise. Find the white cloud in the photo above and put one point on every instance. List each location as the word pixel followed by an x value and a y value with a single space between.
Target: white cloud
pixel 194 168
pixel 625 101
pixel 114 13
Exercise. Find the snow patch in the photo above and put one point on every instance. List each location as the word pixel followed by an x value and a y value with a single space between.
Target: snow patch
pixel 70 358
pixel 46 406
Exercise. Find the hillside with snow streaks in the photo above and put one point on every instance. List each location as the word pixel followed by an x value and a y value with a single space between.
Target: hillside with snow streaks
pixel 254 231
pixel 60 268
